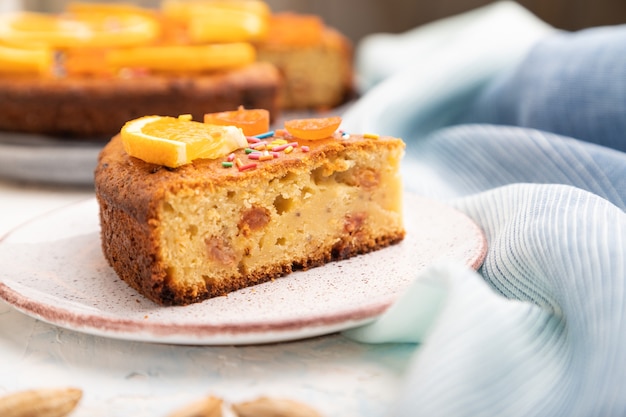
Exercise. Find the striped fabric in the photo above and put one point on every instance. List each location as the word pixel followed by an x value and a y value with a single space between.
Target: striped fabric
pixel 540 328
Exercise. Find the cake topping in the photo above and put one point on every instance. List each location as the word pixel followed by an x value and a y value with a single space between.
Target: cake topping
pixel 173 142
pixel 78 29
pixel 183 58
pixel 24 60
pixel 287 28
pixel 251 121
pixel 217 21
pixel 313 129
pixel 106 39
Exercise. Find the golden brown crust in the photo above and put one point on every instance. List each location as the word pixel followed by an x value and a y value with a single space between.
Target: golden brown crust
pixel 130 192
pixel 98 107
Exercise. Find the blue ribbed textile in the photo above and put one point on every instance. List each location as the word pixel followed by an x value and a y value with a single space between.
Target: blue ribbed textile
pixel 533 151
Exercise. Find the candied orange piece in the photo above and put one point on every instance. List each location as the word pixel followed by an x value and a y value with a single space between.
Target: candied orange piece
pixel 184 58
pixel 313 129
pixel 287 28
pixel 173 142
pixel 220 20
pixel 79 7
pixel 24 60
pixel 77 29
pixel 251 121
pixel 87 61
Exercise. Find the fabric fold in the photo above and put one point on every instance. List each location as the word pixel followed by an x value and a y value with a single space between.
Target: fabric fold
pixel 532 149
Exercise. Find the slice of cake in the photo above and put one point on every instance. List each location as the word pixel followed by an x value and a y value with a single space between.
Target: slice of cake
pixel 212 226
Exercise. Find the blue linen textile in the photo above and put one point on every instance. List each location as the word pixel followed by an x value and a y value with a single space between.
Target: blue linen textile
pixel 533 150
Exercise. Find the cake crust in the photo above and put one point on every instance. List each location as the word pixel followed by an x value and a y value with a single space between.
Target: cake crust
pixel 131 194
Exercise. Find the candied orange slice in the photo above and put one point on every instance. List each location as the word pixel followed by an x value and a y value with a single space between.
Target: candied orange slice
pixel 227 25
pixel 87 61
pixel 220 20
pixel 183 10
pixel 184 58
pixel 22 60
pixel 77 29
pixel 313 129
pixel 173 142
pixel 251 121
pixel 293 29
pixel 106 8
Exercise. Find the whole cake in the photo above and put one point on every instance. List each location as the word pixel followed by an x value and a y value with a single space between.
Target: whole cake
pixel 183 234
pixel 84 72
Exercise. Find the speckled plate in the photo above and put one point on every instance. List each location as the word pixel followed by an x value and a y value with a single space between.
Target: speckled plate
pixel 53 270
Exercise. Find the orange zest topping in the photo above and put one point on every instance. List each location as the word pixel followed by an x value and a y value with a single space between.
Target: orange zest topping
pixel 251 121
pixel 173 142
pixel 313 129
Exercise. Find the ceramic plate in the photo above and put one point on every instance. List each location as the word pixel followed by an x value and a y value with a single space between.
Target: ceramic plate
pixel 53 270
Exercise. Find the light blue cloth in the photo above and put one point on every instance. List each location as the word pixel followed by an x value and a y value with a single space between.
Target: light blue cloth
pixel 533 150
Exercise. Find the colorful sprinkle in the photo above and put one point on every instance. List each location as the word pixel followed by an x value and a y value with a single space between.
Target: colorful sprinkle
pixel 255 155
pixel 252 139
pixel 278 142
pixel 305 148
pixel 265 135
pixel 289 149
pixel 251 165
pixel 371 135
pixel 227 164
pixel 266 156
pixel 284 146
pixel 258 146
